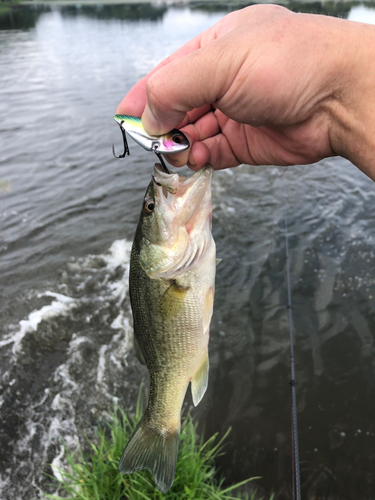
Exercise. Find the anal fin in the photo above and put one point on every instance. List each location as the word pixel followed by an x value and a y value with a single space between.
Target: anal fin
pixel 200 380
pixel 208 308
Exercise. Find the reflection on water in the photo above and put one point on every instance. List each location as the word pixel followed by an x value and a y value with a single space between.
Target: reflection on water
pixel 67 216
pixel 132 12
pixel 25 17
pixel 20 17
pixel 336 9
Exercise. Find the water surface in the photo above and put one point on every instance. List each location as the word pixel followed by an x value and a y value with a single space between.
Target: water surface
pixel 68 212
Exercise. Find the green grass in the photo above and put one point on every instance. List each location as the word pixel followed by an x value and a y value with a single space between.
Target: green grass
pixel 95 477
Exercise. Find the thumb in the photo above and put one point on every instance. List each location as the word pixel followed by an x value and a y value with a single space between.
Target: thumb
pixel 189 82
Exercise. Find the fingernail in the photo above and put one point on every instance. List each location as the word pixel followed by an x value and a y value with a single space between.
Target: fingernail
pixel 149 122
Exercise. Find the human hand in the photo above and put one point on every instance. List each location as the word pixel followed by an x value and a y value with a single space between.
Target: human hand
pixel 264 86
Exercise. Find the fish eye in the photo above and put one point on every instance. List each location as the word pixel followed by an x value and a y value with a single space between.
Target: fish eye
pixel 149 206
pixel 178 138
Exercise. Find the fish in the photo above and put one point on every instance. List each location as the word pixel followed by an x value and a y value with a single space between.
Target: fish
pixel 172 284
pixel 174 141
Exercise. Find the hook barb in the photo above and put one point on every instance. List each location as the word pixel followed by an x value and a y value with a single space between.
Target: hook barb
pixel 126 147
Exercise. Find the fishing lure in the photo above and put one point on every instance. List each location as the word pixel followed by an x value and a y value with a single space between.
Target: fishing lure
pixel 172 142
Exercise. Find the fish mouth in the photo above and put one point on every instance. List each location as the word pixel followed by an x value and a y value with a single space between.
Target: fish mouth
pixel 189 199
pixel 181 222
pixel 178 186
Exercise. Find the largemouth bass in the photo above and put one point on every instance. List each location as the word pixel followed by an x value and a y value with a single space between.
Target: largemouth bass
pixel 172 279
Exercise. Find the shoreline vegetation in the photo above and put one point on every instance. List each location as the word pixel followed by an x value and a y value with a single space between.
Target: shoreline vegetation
pixel 325 5
pixel 94 475
pixel 23 14
pixel 7 6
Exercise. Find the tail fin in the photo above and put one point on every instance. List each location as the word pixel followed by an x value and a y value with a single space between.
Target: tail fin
pixel 154 451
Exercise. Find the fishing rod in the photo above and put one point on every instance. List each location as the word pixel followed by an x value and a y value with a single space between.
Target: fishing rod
pixel 295 450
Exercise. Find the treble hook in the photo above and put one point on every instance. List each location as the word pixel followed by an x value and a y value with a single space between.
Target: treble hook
pixel 126 147
pixel 163 165
pixel 127 152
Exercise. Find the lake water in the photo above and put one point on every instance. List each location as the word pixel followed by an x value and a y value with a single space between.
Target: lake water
pixel 68 212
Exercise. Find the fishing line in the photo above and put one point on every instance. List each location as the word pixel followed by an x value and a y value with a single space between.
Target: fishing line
pixel 295 449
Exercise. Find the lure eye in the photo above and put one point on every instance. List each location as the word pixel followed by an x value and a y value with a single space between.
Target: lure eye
pixel 149 206
pixel 178 138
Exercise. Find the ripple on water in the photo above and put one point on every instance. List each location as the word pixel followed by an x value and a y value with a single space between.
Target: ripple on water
pixel 65 347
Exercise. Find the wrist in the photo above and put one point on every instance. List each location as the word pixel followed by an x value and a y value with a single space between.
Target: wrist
pixel 352 131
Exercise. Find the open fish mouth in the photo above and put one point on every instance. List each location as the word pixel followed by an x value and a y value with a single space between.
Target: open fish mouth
pixel 178 232
pixel 182 192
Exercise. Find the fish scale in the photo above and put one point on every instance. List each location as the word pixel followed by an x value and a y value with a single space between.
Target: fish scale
pixel 172 277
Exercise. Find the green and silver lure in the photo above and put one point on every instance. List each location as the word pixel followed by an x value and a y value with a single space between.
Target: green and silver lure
pixel 172 142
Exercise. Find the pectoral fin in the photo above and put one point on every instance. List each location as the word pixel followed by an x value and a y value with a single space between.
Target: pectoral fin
pixel 172 301
pixel 200 380
pixel 138 352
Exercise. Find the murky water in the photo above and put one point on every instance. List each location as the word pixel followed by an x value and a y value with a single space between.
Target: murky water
pixel 68 212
